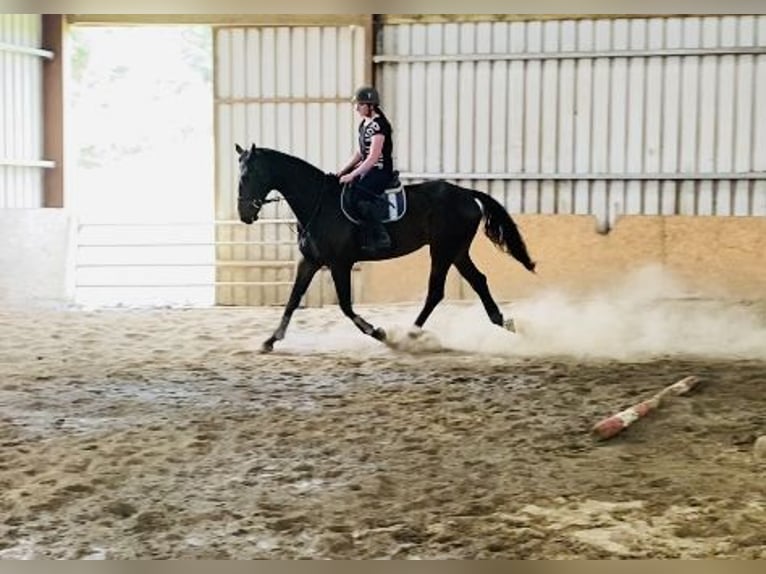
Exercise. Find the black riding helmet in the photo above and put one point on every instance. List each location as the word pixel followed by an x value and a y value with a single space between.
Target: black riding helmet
pixel 367 95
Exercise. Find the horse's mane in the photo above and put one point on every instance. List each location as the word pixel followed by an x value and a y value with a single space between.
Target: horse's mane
pixel 269 152
pixel 293 160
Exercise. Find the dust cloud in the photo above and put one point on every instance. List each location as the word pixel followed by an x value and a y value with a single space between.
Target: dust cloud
pixel 646 314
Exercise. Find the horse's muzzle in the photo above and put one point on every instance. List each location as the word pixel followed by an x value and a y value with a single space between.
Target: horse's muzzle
pixel 248 211
pixel 248 217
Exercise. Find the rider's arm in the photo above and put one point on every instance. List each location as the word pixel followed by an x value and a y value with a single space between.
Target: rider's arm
pixel 351 163
pixel 376 148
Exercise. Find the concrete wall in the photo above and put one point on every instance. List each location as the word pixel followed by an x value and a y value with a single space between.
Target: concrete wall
pixel 36 257
pixel 713 256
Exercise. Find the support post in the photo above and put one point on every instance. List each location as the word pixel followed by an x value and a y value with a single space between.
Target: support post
pixel 53 109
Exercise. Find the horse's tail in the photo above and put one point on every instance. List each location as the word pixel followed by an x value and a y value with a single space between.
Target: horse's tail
pixel 502 231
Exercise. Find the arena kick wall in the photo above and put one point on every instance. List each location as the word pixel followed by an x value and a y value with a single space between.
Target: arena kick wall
pixel 709 256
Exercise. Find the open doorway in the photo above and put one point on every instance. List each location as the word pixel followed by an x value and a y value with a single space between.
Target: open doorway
pixel 140 119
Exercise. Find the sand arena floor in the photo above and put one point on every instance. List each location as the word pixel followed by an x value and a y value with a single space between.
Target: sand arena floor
pixel 164 434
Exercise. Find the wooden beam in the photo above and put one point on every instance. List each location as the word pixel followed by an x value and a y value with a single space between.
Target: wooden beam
pixel 461 18
pixel 53 110
pixel 369 49
pixel 220 19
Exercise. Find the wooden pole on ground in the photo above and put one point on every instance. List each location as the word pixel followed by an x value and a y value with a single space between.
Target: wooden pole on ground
pixel 618 422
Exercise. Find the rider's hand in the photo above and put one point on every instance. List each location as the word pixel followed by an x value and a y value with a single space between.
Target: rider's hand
pixel 346 178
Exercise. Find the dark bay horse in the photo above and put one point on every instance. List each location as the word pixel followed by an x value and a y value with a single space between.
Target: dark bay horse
pixel 439 214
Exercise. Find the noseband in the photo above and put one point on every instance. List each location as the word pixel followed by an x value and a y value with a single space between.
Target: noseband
pixel 257 203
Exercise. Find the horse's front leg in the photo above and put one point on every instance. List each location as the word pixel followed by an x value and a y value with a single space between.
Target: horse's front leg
pixel 306 271
pixel 341 276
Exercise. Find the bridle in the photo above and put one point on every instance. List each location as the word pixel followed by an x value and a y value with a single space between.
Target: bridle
pixel 257 203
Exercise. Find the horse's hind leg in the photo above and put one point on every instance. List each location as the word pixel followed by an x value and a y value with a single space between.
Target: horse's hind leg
pixel 439 267
pixel 478 281
pixel 306 271
pixel 341 276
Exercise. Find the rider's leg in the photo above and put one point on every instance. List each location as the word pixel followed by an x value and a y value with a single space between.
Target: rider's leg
pixel 370 189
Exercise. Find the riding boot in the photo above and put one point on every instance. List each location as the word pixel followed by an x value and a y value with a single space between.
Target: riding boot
pixel 376 238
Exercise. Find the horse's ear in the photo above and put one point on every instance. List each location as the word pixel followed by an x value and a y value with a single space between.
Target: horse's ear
pixel 239 149
pixel 252 149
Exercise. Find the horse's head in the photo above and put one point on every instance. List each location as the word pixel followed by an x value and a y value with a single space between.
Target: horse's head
pixel 254 184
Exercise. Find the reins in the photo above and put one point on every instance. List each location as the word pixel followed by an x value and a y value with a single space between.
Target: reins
pixel 317 206
pixel 258 203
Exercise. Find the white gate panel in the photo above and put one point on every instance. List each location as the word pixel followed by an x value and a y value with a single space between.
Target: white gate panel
pixel 287 88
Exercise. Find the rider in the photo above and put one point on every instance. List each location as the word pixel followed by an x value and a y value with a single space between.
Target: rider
pixel 370 169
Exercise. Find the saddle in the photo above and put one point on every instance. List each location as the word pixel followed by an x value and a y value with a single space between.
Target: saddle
pixel 391 207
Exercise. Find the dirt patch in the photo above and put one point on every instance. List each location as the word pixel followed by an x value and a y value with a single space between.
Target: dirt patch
pixel 161 434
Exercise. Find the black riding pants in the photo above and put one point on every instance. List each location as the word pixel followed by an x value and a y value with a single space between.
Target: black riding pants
pixel 368 192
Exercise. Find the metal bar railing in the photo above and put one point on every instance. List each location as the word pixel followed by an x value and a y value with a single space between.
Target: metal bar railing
pixel 176 285
pixel 11 162
pixel 27 50
pixel 179 223
pixel 257 264
pixel 573 55
pixel 185 243
pixel 755 175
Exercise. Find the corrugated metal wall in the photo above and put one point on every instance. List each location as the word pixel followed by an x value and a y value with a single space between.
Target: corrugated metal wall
pixel 287 88
pixel 21 110
pixel 603 117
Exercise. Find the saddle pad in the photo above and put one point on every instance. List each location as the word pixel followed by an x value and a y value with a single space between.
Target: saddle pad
pixel 396 200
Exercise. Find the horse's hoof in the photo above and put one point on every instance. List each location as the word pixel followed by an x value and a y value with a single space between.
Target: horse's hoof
pixel 267 347
pixel 379 334
pixel 415 332
pixel 509 325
